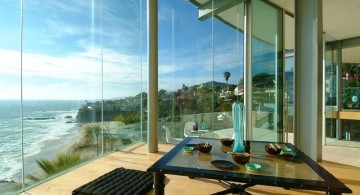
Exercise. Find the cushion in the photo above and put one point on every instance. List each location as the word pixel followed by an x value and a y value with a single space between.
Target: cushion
pixel 118 181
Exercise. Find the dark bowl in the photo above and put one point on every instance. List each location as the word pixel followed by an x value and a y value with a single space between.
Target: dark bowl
pixel 240 157
pixel 226 141
pixel 272 150
pixel 204 148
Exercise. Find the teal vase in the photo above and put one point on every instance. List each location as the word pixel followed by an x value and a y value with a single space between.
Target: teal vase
pixel 238 115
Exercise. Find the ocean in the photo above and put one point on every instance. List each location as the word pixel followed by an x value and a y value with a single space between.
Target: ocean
pixel 46 123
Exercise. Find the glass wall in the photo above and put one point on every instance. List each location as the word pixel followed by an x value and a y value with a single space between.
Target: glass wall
pixel 200 67
pixel 10 121
pixel 71 85
pixel 332 60
pixel 342 92
pixel 350 93
pixel 267 71
pixel 289 63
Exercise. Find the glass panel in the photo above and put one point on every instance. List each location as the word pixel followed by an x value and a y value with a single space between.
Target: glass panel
pixel 193 92
pixel 185 70
pixel 79 101
pixel 331 89
pixel 267 59
pixel 10 113
pixel 228 64
pixel 350 128
pixel 288 114
pixel 61 69
pixel 124 100
pixel 342 117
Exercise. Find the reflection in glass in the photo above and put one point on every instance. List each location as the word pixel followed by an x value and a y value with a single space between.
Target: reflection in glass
pixel 267 72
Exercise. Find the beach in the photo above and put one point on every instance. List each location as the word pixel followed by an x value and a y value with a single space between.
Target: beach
pixel 49 150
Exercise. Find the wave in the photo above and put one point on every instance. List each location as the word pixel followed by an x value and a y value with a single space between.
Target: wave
pixel 7 181
pixel 40 118
pixel 39 133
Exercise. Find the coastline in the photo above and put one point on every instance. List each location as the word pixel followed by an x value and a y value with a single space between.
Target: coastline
pixel 52 147
pixel 49 151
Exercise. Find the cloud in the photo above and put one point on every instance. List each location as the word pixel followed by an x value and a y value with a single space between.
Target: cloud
pixel 44 75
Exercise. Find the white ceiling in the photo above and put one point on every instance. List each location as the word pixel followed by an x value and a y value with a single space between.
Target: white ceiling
pixel 341 20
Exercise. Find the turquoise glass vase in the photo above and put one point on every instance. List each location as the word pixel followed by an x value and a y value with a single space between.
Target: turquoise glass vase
pixel 238 115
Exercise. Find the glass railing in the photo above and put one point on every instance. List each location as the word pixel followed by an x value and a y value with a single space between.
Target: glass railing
pixel 65 71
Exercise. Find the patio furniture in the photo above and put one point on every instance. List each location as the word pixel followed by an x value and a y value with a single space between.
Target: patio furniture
pixel 188 130
pixel 169 138
pixel 118 181
pixel 295 170
pixel 210 135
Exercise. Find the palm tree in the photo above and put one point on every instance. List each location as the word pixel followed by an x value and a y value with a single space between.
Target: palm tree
pixel 62 162
pixel 227 76
pixel 92 139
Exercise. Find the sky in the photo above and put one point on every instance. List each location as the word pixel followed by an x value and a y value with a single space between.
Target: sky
pixel 68 45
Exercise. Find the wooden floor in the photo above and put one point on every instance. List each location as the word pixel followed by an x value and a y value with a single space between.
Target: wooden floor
pixel 136 157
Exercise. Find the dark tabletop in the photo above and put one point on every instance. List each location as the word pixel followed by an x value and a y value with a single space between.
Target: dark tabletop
pixel 290 170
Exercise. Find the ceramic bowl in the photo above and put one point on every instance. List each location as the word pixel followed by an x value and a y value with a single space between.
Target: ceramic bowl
pixel 274 150
pixel 227 141
pixel 240 157
pixel 204 147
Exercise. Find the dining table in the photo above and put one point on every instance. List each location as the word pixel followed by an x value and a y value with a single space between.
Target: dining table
pixel 292 169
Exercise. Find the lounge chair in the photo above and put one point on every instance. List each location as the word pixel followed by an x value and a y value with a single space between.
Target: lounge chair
pixel 188 128
pixel 169 138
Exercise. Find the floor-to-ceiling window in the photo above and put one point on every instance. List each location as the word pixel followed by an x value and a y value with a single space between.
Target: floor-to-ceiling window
pixel 226 27
pixel 200 66
pixel 342 91
pixel 71 85
pixel 267 71
pixel 289 43
pixel 350 93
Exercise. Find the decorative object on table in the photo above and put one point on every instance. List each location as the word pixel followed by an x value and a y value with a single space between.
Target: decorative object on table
pixel 240 157
pixel 271 149
pixel 252 166
pixel 194 146
pixel 203 124
pixel 196 126
pixel 286 151
pixel 238 115
pixel 223 164
pixel 227 141
pixel 188 148
pixel 204 147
